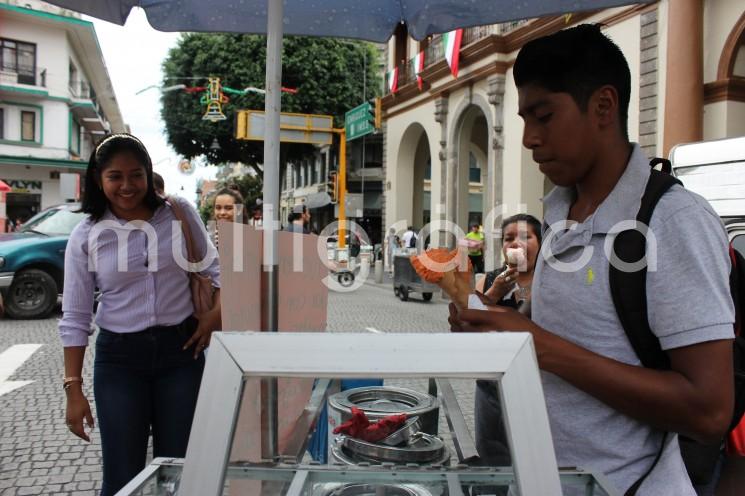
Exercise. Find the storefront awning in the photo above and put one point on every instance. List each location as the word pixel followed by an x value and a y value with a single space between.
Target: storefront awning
pixel 43 162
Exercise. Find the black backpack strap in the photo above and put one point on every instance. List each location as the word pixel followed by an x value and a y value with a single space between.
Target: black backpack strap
pixel 667 166
pixel 629 289
pixel 635 486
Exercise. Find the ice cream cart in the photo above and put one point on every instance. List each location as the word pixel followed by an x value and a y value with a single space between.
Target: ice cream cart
pixel 234 358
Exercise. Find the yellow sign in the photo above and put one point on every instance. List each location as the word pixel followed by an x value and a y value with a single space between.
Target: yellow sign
pixel 293 128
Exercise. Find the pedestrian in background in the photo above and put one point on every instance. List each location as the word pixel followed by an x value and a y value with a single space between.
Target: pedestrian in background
pixel 475 240
pixel 392 243
pixel 257 217
pixel 227 206
pixel 149 350
pixel 159 184
pixel 410 238
pixel 299 219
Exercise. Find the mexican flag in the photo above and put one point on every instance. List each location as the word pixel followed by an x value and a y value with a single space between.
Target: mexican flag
pixel 418 64
pixel 451 42
pixel 392 78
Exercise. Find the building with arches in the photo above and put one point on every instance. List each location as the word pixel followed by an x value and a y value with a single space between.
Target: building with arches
pixel 452 150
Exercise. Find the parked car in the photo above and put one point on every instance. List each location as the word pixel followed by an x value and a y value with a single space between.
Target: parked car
pixel 32 262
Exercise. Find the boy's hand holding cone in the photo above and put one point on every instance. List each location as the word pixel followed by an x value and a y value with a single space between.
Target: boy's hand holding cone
pixel 450 270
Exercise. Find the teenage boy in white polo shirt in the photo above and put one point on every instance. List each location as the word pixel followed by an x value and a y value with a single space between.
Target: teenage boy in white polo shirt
pixel 607 412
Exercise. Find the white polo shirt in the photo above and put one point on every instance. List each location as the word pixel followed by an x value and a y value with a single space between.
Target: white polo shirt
pixel 688 300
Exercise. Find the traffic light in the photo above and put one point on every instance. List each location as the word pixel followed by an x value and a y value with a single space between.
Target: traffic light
pixel 376 113
pixel 332 186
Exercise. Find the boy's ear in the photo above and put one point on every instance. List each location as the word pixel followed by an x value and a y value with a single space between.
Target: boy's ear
pixel 605 105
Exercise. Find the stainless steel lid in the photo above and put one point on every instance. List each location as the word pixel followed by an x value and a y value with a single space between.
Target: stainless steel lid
pixel 384 400
pixel 421 448
pixel 403 434
pixel 376 490
pixel 341 454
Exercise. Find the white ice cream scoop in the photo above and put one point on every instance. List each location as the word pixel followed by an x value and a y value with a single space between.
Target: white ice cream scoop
pixel 515 256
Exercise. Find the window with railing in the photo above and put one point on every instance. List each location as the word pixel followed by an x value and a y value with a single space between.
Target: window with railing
pixel 19 58
pixel 80 89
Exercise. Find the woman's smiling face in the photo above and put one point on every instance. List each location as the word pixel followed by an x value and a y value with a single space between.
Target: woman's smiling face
pixel 225 208
pixel 124 183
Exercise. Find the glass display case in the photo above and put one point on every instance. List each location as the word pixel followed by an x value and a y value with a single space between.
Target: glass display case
pixel 244 441
pixel 163 476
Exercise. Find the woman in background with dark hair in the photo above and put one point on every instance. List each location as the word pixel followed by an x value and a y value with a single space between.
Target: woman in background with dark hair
pixel 149 351
pixel 227 206
pixel 508 286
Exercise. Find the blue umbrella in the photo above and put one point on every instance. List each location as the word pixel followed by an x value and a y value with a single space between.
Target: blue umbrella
pixel 372 20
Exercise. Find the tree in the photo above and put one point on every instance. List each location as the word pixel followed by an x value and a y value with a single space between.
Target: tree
pixel 327 73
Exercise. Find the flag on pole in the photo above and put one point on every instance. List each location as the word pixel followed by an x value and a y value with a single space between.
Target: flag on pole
pixel 392 77
pixel 451 42
pixel 418 65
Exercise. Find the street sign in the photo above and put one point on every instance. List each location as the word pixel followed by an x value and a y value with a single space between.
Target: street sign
pixel 293 128
pixel 357 122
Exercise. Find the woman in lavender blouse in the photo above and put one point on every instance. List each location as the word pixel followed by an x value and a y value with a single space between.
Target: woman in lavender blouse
pixel 149 350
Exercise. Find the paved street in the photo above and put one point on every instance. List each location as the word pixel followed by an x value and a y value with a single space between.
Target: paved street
pixel 39 456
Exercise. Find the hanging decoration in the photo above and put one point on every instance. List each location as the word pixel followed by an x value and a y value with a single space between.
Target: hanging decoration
pixel 215 95
pixel 186 167
pixel 451 42
pixel 214 100
pixel 392 78
pixel 418 64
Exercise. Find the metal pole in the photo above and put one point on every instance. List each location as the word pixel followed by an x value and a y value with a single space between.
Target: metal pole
pixel 342 188
pixel 364 99
pixel 272 106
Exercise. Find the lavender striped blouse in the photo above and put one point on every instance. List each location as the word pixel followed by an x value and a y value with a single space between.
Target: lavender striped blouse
pixel 142 283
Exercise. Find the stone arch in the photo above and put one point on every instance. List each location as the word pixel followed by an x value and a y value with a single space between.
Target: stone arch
pixel 735 40
pixel 413 159
pixel 472 113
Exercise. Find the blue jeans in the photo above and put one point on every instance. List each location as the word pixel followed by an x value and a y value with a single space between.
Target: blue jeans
pixel 144 380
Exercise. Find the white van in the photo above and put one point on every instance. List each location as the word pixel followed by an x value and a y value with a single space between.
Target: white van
pixel 716 171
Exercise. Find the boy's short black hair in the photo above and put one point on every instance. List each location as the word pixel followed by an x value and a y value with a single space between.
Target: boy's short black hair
pixel 577 61
pixel 94 201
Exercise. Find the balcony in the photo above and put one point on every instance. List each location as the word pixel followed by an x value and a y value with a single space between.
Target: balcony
pixel 12 74
pixel 435 52
pixel 86 108
pixel 81 90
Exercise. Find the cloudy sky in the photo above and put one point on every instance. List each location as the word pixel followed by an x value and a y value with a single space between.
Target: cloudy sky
pixel 133 55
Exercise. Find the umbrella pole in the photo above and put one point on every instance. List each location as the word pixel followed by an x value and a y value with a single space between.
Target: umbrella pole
pixel 272 106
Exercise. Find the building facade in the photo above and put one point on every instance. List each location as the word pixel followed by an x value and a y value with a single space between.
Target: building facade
pixel 56 100
pixel 453 149
pixel 308 182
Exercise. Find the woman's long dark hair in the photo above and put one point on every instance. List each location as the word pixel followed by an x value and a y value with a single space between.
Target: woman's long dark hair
pixel 94 200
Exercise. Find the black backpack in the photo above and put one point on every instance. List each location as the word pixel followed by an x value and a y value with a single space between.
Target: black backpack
pixel 629 293
pixel 412 241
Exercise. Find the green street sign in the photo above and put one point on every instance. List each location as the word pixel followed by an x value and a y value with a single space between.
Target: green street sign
pixel 359 121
